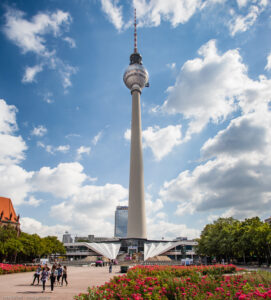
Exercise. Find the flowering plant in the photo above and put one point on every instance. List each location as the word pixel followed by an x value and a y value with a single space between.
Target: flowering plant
pixel 9 269
pixel 177 282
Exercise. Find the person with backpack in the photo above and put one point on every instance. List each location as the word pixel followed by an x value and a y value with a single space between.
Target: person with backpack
pixel 43 277
pixel 37 275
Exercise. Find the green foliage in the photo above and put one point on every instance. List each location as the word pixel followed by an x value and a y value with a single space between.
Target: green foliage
pixel 26 247
pixel 229 238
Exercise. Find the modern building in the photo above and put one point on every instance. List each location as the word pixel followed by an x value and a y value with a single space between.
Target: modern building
pixel 121 221
pixel 67 238
pixel 8 215
pixel 136 78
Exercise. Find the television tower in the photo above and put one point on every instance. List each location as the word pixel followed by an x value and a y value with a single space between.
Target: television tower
pixel 136 78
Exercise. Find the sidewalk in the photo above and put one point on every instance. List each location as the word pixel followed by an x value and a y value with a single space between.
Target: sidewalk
pixel 18 286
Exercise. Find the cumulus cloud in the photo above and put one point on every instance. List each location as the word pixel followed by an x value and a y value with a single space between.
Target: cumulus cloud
pixel 7 117
pixel 158 229
pixel 15 183
pixel 31 72
pixel 12 147
pixel 32 226
pixel 63 181
pixel 238 176
pixel 160 140
pixel 114 12
pixel 99 202
pixel 208 88
pixel 39 130
pixel 29 35
pixel 150 13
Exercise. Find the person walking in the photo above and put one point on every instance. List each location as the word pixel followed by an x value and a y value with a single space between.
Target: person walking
pixel 37 275
pixel 110 266
pixel 53 277
pixel 59 273
pixel 64 276
pixel 43 278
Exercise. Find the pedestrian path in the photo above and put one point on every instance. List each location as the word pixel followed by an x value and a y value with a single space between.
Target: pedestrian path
pixel 18 286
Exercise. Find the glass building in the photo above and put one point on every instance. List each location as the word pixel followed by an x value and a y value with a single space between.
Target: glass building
pixel 121 221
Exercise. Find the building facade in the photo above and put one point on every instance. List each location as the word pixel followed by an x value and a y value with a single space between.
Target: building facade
pixel 67 238
pixel 8 215
pixel 121 221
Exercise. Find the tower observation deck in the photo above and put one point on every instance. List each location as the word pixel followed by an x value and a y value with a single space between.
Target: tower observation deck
pixel 136 78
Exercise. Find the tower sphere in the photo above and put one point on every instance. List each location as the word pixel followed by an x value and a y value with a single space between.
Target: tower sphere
pixel 136 77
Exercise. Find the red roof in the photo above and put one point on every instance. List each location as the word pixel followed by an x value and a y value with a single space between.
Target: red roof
pixel 8 210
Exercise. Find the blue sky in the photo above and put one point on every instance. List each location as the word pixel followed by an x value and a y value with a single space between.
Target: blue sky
pixel 65 112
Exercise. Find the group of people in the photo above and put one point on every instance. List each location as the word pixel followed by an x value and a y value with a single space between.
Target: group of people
pixel 56 274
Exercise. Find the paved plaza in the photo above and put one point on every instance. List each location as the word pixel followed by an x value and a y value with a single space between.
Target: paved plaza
pixel 17 286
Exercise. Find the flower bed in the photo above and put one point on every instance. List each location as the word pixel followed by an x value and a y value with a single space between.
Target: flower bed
pixel 9 269
pixel 173 282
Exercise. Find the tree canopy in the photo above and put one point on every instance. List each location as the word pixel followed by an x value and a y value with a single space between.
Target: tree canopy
pixel 228 238
pixel 26 247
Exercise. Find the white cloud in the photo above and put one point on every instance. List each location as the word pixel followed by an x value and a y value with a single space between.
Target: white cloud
pixel 160 140
pixel 82 150
pixel 62 181
pixel 15 183
pixel 97 137
pixel 70 41
pixel 268 65
pixel 150 13
pixel 99 202
pixel 12 147
pixel 114 12
pixel 29 35
pixel 39 130
pixel 238 176
pixel 66 71
pixel 63 148
pixel 31 72
pixel 242 3
pixel 158 229
pixel 32 226
pixel 53 150
pixel 207 88
pixel 242 23
pixel 33 201
pixel 7 117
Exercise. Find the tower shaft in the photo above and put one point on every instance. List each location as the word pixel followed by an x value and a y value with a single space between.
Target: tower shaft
pixel 136 210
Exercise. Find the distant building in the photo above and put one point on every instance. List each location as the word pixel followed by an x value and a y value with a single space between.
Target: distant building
pixel 181 238
pixel 91 238
pixel 121 221
pixel 8 215
pixel 67 238
pixel 268 220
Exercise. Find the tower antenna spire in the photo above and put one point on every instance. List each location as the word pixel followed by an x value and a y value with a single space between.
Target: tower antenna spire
pixel 135 33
